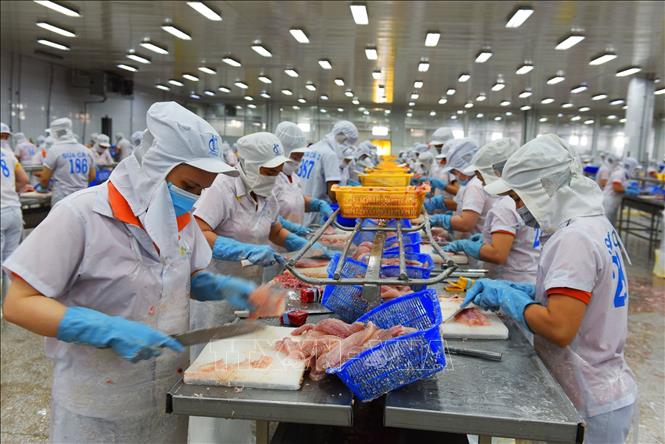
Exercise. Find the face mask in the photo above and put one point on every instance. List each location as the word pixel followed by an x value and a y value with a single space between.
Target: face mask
pixel 527 217
pixel 264 185
pixel 463 182
pixel 290 167
pixel 340 139
pixel 183 201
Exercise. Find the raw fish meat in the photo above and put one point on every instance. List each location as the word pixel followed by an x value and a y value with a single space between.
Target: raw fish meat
pixel 224 371
pixel 312 263
pixel 394 291
pixel 287 280
pixel 332 327
pixel 472 317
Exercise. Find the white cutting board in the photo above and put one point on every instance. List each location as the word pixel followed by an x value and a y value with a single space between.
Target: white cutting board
pixel 276 371
pixel 458 258
pixel 455 330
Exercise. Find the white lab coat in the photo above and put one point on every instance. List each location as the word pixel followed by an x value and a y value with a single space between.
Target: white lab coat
pixel 318 167
pixel 70 163
pixel 473 197
pixel 103 157
pixel 290 198
pixel 89 258
pixel 11 218
pixel 126 148
pixel 612 199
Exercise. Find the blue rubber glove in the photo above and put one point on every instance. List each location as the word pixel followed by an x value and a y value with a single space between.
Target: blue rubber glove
pixel 529 289
pixel 39 188
pixel 632 191
pixel 352 183
pixel 469 246
pixel 294 228
pixel 437 183
pixel 295 243
pixel 497 295
pixel 441 220
pixel 476 237
pixel 227 249
pixel 131 340
pixel 208 286
pixel 435 203
pixel 322 207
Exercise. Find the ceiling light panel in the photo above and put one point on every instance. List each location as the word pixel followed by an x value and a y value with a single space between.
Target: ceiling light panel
pixel 524 69
pixel 602 58
pixel 205 11
pixel 207 70
pixel 518 17
pixel 339 81
pixel 579 88
pixel 299 35
pixel 325 64
pixel 463 77
pixel 376 74
pixel 176 82
pixel 291 72
pixel 310 86
pixel 207 92
pixel 423 66
pixel 231 61
pixel 483 56
pixel 555 79
pixel 432 39
pixel 176 32
pixel 224 89
pixel 138 58
pixel 56 29
pixel 600 96
pixel 265 79
pixel 569 41
pixel 151 46
pixel 62 9
pixel 628 71
pixel 451 91
pixel 240 84
pixel 359 12
pixel 52 44
pixel 287 92
pixel 129 68
pixel 418 84
pixel 261 50
pixel 162 87
pixel 191 77
pixel 371 53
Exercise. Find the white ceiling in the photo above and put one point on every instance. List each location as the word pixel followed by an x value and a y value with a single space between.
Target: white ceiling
pixel 106 30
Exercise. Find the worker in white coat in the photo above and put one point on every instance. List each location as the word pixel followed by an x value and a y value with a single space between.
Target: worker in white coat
pixel 108 276
pixel 100 151
pixel 578 308
pixel 439 138
pixel 608 165
pixel 319 168
pixel 507 245
pixel 293 203
pixel 68 163
pixel 5 134
pixel 123 146
pixel 616 187
pixel 24 149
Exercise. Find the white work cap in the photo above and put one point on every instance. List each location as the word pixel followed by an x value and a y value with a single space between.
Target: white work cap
pixel 491 158
pixel 182 134
pixel 547 175
pixel 103 140
pixel 348 129
pixel 441 136
pixel 421 147
pixel 292 138
pixel 263 149
pixel 426 157
pixel 19 138
pixel 61 129
pixel 137 136
pixel 4 129
pixel 350 153
pixel 630 164
pixel 362 150
pixel 119 136
pixel 460 153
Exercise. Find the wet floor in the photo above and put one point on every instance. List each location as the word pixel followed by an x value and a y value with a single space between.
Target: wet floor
pixel 25 373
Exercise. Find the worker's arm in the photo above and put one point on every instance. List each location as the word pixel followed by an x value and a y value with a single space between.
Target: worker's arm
pixel 28 308
pixel 618 187
pixel 497 252
pixel 559 321
pixel 92 173
pixel 207 230
pixel 452 188
pixel 45 176
pixel 464 222
pixel 278 234
pixel 450 204
pixel 602 183
pixel 22 179
pixel 330 193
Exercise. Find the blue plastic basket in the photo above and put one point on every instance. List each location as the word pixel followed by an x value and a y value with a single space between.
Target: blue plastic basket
pixel 411 243
pixel 402 360
pixel 412 271
pixel 368 236
pixel 343 221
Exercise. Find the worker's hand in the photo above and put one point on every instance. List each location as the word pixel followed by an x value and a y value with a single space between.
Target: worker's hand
pixel 526 287
pixel 294 228
pixel 497 295
pixel 437 183
pixel 27 188
pixel 262 254
pixel 40 189
pixel 131 340
pixel 476 237
pixel 632 191
pixel 208 286
pixel 435 203
pixel 468 246
pixel 441 220
pixel 322 207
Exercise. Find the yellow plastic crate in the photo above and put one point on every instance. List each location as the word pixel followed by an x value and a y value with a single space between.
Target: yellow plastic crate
pixel 385 179
pixel 381 202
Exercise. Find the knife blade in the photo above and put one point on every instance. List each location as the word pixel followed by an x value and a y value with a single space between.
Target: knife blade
pixel 455 313
pixel 482 354
pixel 223 331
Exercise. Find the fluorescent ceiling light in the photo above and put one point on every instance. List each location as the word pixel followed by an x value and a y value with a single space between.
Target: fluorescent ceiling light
pixel 138 58
pixel 176 32
pixel 310 86
pixel 325 64
pixel 162 87
pixel 628 71
pixel 224 89
pixel 611 117
pixel 443 101
pixel 583 109
pixel 414 96
pixel 450 91
pixel 190 77
pixel 129 68
pixel 301 100
pixel 579 88
pixel 483 56
pixel 409 114
pixel 371 53
pixel 339 81
pixel 481 98
pixel 205 11
pixel 249 98
pixel 508 113
pixel 231 61
pixel 623 120
pixel 376 74
pixel 366 113
pixel 62 9
pixel 617 102
pixel 600 96
pixel 355 101
pixel 543 119
pixel 387 112
pixel 525 108
pixel 240 84
pixel 176 82
pixel 423 66
pixel 547 100
pixel 418 84
pixel 432 113
pixel 299 35
pixel 207 70
pixel 588 122
pixel 340 110
pixel 296 107
pixel 505 103
pixel 147 44
pixel 566 105
pixel 524 69
pixel 480 115
pixel 324 97
pixel 252 106
pixel 525 94
pixel 432 39
pixel 459 111
pixel 195 96
pixel 264 94
pixel 380 131
pixel 291 72
pixel 412 103
pixel 519 16
pixel 287 92
pixel 498 86
pixel 453 117
pixel 556 79
pixel 52 44
pixel 261 50
pixel 463 77
pixel 498 118
pixel 362 108
pixel 659 91
pixel 359 12
pixel 575 118
pixel 56 29
pixel 602 58
pixel 468 105
pixel 569 41
pixel 207 92
pixel 348 93
pixel 264 79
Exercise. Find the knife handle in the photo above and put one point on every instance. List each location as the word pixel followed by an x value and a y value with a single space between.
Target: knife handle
pixel 482 354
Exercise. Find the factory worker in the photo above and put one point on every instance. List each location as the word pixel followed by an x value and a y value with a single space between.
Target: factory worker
pixel 471 201
pixel 68 163
pixel 293 203
pixel 578 309
pixel 107 277
pixel 319 168
pixel 508 245
pixel 123 146
pixel 100 150
pixel 363 156
pixel 13 179
pixel 93 140
pixel 608 165
pixel 616 187
pixel 439 137
pixel 5 134
pixel 229 154
pixel 24 150
pixel 346 165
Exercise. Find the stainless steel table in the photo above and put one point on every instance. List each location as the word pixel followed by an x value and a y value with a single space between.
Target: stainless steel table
pixel 515 398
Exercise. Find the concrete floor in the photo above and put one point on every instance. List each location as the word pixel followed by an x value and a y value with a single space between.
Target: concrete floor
pixel 25 373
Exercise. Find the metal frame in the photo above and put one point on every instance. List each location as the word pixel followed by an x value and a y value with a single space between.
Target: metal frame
pixel 638 229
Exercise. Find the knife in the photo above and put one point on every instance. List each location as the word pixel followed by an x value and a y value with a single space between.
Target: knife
pixel 482 354
pixel 455 313
pixel 223 331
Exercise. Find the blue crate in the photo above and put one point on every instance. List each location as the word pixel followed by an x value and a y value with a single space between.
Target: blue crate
pixel 412 271
pixel 368 236
pixel 345 300
pixel 411 243
pixel 399 361
pixel 343 221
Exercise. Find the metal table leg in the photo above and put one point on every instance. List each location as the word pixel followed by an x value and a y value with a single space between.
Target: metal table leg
pixel 262 432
